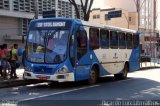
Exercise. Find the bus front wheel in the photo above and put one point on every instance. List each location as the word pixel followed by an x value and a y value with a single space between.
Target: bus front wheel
pixel 124 73
pixel 93 76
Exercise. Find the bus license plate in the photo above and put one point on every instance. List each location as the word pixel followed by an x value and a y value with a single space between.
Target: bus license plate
pixel 42 78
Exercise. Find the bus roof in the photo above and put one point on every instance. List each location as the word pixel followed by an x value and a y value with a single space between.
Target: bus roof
pixel 87 23
pixel 107 26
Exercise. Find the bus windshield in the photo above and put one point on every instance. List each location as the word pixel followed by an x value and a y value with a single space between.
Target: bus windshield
pixel 47 46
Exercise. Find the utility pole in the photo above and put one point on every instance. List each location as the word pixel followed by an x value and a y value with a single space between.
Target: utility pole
pixel 154 29
pixel 138 10
pixel 36 8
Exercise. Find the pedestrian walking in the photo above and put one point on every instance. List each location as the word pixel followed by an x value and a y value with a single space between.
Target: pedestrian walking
pixel 14 61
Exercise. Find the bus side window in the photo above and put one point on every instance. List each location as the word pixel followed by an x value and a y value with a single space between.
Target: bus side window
pixel 122 40
pixel 94 38
pixel 113 40
pixel 129 41
pixel 81 43
pixel 71 50
pixel 104 38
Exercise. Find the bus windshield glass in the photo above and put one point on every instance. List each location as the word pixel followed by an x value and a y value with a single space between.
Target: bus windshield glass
pixel 47 46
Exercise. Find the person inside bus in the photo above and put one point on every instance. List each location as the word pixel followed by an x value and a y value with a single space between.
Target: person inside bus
pixel 39 49
pixel 55 49
pixel 51 44
pixel 61 44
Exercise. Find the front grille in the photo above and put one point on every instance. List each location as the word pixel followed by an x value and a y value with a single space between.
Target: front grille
pixel 60 77
pixel 43 70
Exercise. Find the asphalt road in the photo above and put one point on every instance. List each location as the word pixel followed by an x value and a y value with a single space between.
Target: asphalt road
pixel 140 85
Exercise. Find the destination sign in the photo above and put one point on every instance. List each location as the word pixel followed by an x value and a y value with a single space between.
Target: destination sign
pixel 50 24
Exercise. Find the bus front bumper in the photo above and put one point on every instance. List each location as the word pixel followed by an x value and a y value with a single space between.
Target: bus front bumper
pixel 67 77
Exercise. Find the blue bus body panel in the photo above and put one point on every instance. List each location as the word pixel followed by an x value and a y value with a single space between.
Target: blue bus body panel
pixel 82 72
pixel 134 60
pixel 82 66
pixel 49 69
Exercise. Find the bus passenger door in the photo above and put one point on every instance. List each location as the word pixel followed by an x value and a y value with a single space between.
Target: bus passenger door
pixel 82 55
pixel 72 50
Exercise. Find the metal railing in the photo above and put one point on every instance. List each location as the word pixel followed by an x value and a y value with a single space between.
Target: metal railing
pixel 152 62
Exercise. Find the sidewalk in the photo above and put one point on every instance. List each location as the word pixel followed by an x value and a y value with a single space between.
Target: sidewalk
pixel 16 82
pixel 150 65
pixel 19 72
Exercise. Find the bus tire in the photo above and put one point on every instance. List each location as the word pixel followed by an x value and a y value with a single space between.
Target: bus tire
pixel 124 73
pixel 93 76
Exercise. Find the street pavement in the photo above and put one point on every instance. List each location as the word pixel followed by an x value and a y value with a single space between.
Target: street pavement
pixel 20 71
pixel 140 85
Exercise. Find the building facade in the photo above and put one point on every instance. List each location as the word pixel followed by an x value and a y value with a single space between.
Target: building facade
pixel 15 16
pixel 124 20
pixel 123 4
pixel 147 25
pixel 158 14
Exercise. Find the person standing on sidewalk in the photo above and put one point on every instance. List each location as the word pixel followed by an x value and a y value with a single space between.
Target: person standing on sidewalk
pixel 13 61
pixel 4 60
pixel 1 61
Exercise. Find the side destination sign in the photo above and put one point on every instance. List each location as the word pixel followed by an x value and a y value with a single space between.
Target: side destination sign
pixel 50 24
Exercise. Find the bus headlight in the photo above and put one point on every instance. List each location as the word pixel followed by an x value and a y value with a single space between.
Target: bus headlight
pixel 62 70
pixel 28 69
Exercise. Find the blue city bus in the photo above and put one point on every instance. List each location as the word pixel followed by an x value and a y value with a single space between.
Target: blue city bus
pixel 63 49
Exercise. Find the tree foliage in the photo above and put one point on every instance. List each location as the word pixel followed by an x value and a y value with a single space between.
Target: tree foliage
pixel 86 7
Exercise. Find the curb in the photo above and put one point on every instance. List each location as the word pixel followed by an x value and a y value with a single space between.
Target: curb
pixel 153 67
pixel 14 83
